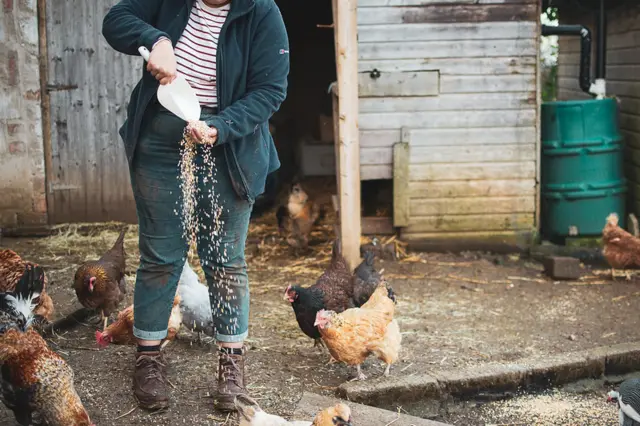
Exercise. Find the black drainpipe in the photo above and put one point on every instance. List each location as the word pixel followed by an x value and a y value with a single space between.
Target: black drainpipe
pixel 601 46
pixel 585 49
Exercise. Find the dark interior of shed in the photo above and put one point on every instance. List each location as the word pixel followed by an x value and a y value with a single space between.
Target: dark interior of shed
pixel 303 127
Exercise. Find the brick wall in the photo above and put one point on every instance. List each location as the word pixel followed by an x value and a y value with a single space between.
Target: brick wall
pixel 22 188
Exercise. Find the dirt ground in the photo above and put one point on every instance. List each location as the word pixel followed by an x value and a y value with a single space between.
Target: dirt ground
pixel 453 310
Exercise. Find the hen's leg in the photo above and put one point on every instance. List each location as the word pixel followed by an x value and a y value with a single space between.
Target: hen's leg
pixel 360 374
pixel 386 370
pixel 105 319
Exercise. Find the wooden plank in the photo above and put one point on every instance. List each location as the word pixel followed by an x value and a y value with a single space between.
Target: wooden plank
pixel 629 89
pixel 494 241
pixel 473 205
pixel 472 222
pixel 377 226
pixel 446 31
pixel 346 29
pixel 448 14
pixel 471 136
pixel 472 188
pixel 453 154
pixel 630 56
pixel 629 122
pixel 499 65
pixel 401 159
pixel 616 72
pixel 487 84
pixel 472 171
pixel 376 172
pixel 538 146
pixel 45 105
pixel 448 119
pixel 451 102
pixel 417 83
pixel 446 49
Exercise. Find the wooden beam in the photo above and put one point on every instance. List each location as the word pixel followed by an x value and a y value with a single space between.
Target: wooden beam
pixel 45 106
pixel 346 40
pixel 401 183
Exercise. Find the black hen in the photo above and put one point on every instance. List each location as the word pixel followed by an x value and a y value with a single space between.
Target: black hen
pixel 332 291
pixel 16 308
pixel 367 279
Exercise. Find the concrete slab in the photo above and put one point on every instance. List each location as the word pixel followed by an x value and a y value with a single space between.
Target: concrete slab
pixel 362 415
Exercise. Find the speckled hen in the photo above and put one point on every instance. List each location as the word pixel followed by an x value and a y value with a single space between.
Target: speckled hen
pixel 628 400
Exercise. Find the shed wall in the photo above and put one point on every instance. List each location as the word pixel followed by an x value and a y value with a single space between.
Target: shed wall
pixel 473 130
pixel 623 79
pixel 22 181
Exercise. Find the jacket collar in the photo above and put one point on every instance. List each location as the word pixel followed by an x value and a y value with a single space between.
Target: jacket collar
pixel 238 7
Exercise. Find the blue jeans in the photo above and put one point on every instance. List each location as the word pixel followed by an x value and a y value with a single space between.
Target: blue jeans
pixel 155 179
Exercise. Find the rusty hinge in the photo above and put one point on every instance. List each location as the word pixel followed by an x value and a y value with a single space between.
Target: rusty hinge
pixel 58 87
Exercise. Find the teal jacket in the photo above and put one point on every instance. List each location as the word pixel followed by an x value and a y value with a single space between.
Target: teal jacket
pixel 252 69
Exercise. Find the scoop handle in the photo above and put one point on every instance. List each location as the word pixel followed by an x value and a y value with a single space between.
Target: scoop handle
pixel 144 52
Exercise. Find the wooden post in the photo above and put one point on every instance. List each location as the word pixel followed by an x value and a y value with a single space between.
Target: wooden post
pixel 346 33
pixel 401 183
pixel 45 106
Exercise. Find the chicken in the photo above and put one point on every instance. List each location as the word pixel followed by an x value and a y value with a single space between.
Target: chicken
pixel 36 380
pixel 332 291
pixel 338 415
pixel 251 414
pixel 628 400
pixel 100 284
pixel 298 217
pixel 33 379
pixel 621 249
pixel 355 333
pixel 366 280
pixel 12 267
pixel 194 303
pixel 120 332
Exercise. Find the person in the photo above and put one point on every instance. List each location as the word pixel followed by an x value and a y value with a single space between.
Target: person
pixel 235 55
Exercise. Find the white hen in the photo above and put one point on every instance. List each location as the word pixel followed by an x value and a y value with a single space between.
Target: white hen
pixel 251 414
pixel 194 302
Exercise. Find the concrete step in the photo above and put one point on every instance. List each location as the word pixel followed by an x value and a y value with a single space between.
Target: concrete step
pixel 362 415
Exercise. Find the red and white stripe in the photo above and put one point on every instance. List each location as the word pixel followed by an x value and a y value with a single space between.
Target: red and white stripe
pixel 196 50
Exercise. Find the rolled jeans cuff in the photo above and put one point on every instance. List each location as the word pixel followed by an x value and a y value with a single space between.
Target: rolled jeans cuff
pixel 150 335
pixel 237 338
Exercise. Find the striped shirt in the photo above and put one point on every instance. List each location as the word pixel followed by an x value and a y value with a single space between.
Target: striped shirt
pixel 196 50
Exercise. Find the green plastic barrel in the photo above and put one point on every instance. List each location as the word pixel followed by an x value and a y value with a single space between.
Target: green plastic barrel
pixel 582 167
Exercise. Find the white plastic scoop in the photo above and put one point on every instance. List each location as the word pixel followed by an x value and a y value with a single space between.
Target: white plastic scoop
pixel 177 96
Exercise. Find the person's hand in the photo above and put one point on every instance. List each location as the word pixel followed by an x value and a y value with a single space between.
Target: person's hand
pixel 203 133
pixel 162 62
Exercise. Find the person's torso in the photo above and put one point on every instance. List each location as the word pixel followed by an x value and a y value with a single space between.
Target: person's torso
pixel 197 47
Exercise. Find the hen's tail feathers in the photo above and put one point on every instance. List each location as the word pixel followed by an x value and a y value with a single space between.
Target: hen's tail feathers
pixel 119 244
pixel 612 219
pixel 246 406
pixel 16 308
pixel 31 282
pixel 391 294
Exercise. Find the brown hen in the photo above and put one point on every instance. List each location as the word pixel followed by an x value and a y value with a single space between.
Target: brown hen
pixel 100 284
pixel 621 249
pixel 120 332
pixel 12 268
pixel 338 415
pixel 36 380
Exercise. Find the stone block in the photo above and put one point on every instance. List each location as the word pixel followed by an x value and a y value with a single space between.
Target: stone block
pixel 562 267
pixel 311 404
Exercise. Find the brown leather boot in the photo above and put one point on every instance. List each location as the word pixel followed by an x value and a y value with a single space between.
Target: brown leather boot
pixel 231 380
pixel 150 381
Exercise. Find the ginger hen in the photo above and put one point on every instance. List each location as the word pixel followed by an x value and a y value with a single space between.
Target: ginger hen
pixel 298 217
pixel 351 336
pixel 120 332
pixel 621 249
pixel 100 284
pixel 34 380
pixel 12 268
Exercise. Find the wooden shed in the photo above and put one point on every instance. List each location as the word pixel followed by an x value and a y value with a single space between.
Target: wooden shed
pixel 622 62
pixel 448 104
pixel 438 98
